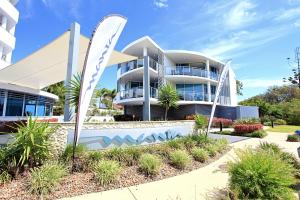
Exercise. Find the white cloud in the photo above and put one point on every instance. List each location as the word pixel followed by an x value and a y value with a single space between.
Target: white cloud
pixel 242 14
pixel 28 9
pixel 161 3
pixel 297 23
pixel 261 83
pixel 288 14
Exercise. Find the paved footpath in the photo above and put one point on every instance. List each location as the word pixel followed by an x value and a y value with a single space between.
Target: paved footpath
pixel 195 185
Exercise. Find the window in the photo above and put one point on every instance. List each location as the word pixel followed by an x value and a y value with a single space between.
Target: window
pixel 40 109
pixel 213 89
pixel 2 98
pixel 30 105
pixel 14 104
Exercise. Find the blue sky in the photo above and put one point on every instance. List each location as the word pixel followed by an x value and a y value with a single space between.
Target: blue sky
pixel 257 35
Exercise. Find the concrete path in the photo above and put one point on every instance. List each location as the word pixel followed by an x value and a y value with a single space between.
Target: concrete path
pixel 195 185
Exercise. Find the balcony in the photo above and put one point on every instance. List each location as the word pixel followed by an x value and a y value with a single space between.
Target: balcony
pixel 190 71
pixel 192 96
pixel 8 39
pixel 9 9
pixel 137 92
pixel 135 64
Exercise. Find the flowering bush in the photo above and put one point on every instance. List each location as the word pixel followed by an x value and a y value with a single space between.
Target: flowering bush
pixel 247 128
pixel 226 122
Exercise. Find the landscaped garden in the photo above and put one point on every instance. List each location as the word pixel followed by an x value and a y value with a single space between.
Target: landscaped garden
pixel 29 171
pixel 265 172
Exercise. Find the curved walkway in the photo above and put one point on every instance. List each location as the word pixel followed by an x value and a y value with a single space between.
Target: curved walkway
pixel 195 185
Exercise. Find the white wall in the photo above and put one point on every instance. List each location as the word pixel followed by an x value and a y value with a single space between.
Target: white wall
pixel 232 87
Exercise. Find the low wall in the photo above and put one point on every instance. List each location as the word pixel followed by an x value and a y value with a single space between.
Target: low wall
pixel 110 134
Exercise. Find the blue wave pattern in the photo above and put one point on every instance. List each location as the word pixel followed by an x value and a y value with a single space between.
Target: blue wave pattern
pixel 106 141
pixel 100 62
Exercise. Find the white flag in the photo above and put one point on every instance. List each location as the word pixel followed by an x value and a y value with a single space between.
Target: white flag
pixel 101 45
pixel 218 91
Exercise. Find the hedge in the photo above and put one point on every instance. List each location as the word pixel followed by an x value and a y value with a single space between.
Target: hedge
pixel 247 128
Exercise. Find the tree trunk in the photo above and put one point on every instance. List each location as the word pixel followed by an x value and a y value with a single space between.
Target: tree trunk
pixel 166 113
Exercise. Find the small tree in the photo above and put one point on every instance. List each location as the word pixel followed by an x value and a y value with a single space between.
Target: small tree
pixel 168 98
pixel 201 123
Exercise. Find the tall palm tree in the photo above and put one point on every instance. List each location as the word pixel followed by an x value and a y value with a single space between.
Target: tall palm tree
pixel 167 98
pixel 74 91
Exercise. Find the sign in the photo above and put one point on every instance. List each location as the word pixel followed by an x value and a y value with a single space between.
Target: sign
pixel 218 91
pixel 101 45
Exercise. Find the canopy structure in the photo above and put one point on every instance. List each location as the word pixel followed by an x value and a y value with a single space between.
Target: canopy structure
pixel 48 65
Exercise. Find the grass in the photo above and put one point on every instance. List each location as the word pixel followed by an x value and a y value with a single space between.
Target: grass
pixel 107 171
pixel 284 129
pixel 150 164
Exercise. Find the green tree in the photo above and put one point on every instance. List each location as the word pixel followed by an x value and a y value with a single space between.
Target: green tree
pixel 59 90
pixel 239 87
pixel 106 96
pixel 291 111
pixel 168 98
pixel 74 91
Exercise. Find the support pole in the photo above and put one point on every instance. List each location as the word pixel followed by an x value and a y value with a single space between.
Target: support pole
pixel 69 110
pixel 146 86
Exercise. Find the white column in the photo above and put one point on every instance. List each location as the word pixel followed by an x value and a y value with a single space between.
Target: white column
pixel 4 22
pixel 145 51
pixel 207 68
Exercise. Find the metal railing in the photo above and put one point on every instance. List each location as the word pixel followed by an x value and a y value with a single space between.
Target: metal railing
pixel 137 92
pixel 135 64
pixel 190 71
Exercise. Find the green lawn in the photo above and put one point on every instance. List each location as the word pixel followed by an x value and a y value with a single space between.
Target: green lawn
pixel 284 129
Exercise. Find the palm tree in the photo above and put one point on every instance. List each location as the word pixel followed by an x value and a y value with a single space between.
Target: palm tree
pixel 106 96
pixel 74 91
pixel 59 90
pixel 167 98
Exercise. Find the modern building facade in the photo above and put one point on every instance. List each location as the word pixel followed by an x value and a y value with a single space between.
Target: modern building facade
pixel 9 17
pixel 194 75
pixel 17 101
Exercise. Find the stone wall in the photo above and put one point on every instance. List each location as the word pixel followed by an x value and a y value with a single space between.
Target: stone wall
pixel 60 137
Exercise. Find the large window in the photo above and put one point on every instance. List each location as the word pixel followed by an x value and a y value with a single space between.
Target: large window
pixel 14 104
pixel 40 110
pixel 191 92
pixel 2 98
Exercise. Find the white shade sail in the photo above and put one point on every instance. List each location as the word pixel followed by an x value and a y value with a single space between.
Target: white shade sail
pixel 48 65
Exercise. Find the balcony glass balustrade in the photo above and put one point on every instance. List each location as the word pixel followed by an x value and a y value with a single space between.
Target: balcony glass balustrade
pixel 190 71
pixel 192 96
pixel 137 92
pixel 135 64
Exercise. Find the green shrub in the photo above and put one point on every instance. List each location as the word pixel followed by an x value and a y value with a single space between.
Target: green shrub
pixel 188 142
pixel 212 149
pixel 270 147
pixel 280 122
pixel 31 145
pixel 221 144
pixel 261 175
pixel 133 155
pixel 150 164
pixel 175 144
pixel 259 134
pixel 44 179
pixel 80 151
pixel 293 138
pixel 201 122
pixel 200 154
pixel 5 177
pixel 247 121
pixel 128 155
pixel 160 149
pixel 201 139
pixel 267 124
pixel 180 159
pixel 95 156
pixel 107 171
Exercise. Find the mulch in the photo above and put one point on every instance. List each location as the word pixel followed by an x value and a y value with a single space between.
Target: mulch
pixel 84 182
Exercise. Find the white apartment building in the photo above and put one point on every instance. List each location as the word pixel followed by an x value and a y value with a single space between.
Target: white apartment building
pixel 194 75
pixel 9 17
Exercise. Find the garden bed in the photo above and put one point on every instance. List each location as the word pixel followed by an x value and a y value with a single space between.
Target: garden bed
pixel 84 182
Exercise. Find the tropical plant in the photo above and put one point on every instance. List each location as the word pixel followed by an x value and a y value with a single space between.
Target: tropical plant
pixel 167 98
pixel 239 88
pixel 80 151
pixel 44 179
pixel 59 90
pixel 201 123
pixel 74 91
pixel 107 171
pixel 180 159
pixel 150 164
pixel 200 154
pixel 31 145
pixel 261 175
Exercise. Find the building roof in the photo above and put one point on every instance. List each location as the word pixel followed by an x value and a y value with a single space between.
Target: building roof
pixel 48 65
